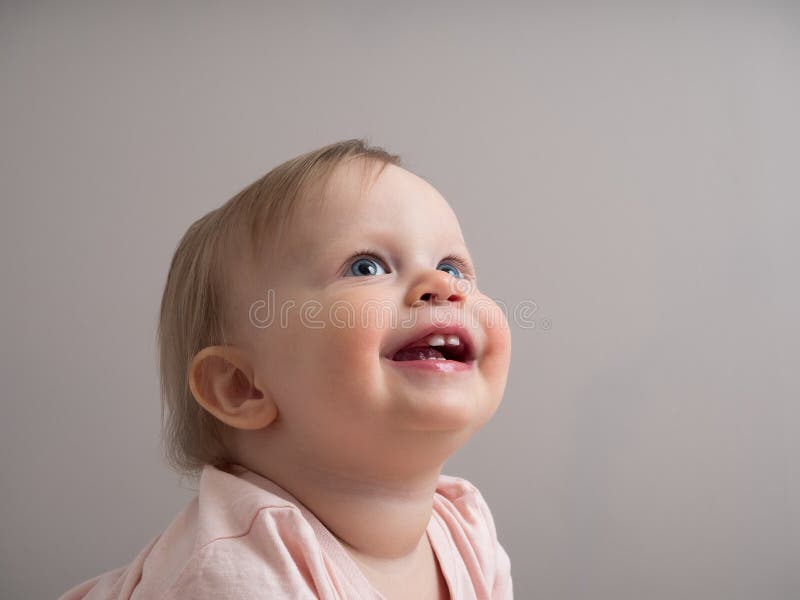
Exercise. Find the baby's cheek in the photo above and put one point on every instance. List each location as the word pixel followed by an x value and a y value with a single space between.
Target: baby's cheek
pixel 353 339
pixel 350 376
pixel 360 341
pixel 497 350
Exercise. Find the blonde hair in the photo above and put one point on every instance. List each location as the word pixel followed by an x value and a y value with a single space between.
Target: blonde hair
pixel 194 310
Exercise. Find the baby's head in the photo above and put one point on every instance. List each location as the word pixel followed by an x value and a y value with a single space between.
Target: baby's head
pixel 328 314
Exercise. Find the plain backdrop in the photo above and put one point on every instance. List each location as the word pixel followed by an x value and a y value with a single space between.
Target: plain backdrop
pixel 629 171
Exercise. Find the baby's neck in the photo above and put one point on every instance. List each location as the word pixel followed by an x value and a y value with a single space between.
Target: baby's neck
pixel 380 516
pixel 376 501
pixel 376 521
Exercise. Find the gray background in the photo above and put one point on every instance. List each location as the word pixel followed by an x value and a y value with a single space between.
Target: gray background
pixel 630 169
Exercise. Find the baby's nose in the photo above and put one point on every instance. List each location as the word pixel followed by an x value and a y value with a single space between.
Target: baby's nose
pixel 437 286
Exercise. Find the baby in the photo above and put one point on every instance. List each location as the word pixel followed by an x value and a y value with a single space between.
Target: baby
pixel 324 349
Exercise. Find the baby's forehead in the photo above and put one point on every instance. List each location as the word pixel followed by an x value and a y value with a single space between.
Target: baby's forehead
pixel 359 200
pixel 393 202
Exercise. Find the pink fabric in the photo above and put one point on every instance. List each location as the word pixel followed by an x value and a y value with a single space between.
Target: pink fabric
pixel 243 536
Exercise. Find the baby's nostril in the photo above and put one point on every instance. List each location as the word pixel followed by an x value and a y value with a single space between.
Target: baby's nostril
pixel 425 296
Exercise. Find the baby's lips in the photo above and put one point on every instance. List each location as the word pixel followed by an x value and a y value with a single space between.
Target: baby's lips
pixel 419 334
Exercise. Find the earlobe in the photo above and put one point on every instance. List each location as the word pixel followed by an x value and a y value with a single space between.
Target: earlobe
pixel 222 381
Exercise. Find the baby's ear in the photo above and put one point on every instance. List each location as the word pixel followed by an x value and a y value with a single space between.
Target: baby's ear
pixel 221 380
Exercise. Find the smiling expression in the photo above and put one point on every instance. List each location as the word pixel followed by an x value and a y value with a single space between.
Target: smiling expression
pixel 385 277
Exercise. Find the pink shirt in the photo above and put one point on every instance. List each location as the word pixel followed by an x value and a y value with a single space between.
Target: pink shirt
pixel 243 536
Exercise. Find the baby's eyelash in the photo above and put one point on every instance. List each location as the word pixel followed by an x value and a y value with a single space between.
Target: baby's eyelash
pixel 365 253
pixel 463 265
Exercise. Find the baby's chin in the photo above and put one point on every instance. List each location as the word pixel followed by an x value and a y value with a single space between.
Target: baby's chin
pixel 454 411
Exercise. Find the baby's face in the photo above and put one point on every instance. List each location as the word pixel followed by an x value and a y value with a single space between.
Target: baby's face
pixel 359 279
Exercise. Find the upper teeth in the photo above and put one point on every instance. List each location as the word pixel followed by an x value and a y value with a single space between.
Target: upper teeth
pixel 440 340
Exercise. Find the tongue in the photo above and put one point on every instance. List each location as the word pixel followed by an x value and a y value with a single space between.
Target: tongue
pixel 420 353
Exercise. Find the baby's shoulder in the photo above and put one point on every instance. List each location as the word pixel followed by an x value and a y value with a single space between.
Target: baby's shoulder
pixel 454 488
pixel 463 523
pixel 229 505
pixel 461 494
pixel 231 535
pixel 459 502
pixel 234 533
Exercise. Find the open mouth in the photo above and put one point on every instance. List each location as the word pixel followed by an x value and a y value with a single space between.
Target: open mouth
pixel 452 346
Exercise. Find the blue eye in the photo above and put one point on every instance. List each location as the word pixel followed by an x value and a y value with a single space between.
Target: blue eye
pixel 366 267
pixel 448 268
